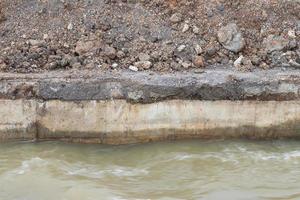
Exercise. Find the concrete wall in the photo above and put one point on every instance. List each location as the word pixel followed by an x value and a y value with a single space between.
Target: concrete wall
pixel 17 120
pixel 120 122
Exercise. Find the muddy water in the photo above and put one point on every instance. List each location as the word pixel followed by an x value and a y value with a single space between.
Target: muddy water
pixel 182 170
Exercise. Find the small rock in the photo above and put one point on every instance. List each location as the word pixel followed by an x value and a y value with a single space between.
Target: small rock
pixel 243 63
pixel 52 65
pixel 143 64
pixel 211 51
pixel 144 57
pixel 35 42
pixel 238 62
pixel 186 64
pixel 181 48
pixel 198 61
pixel 114 65
pixel 70 26
pixel 292 34
pixel 64 62
pixel 185 28
pixel 264 65
pixel 133 68
pixel 45 36
pixel 274 43
pixel 175 18
pixel 255 60
pixel 196 30
pixel 110 52
pixel 231 38
pixel 121 54
pixel 175 65
pixel 76 65
pixel 198 49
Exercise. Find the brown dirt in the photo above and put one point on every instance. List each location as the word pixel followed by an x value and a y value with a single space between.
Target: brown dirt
pixel 41 35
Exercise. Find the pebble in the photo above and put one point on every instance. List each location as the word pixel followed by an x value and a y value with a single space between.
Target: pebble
pixel 45 36
pixel 133 68
pixel 186 64
pixel 35 42
pixel 196 30
pixel 198 61
pixel 175 18
pixel 121 54
pixel 238 62
pixel 70 26
pixel 198 49
pixel 143 64
pixel 114 65
pixel 185 28
pixel 264 65
pixel 181 48
pixel 255 60
pixel 292 34
pixel 211 51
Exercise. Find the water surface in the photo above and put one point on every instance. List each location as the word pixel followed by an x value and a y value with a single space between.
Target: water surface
pixel 170 170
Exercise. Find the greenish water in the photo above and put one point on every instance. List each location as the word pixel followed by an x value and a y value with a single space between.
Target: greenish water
pixel 179 170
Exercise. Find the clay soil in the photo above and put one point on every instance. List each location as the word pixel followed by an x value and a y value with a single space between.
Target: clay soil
pixel 157 35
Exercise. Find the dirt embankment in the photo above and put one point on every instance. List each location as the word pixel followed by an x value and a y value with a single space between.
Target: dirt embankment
pixel 156 35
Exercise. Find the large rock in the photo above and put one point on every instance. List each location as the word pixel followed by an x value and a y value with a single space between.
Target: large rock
pixel 275 43
pixel 110 52
pixel 83 47
pixel 231 38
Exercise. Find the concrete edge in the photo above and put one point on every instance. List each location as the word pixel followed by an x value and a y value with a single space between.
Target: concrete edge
pixel 149 87
pixel 120 122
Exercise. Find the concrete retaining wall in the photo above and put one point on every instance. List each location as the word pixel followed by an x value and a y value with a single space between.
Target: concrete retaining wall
pixel 120 122
pixel 128 107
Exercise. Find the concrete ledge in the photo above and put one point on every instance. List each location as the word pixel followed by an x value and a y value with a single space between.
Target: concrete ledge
pixel 120 122
pixel 147 87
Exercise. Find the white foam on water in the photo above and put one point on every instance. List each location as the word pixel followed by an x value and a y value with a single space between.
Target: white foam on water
pixel 93 171
pixel 223 157
pixel 269 156
pixel 80 169
pixel 29 165
pixel 126 171
pixel 292 154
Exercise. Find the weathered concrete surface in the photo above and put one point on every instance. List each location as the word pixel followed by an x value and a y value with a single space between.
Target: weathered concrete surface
pixel 17 120
pixel 120 122
pixel 147 87
pixel 128 107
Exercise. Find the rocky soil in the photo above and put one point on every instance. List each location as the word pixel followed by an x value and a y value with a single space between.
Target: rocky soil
pixel 158 35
